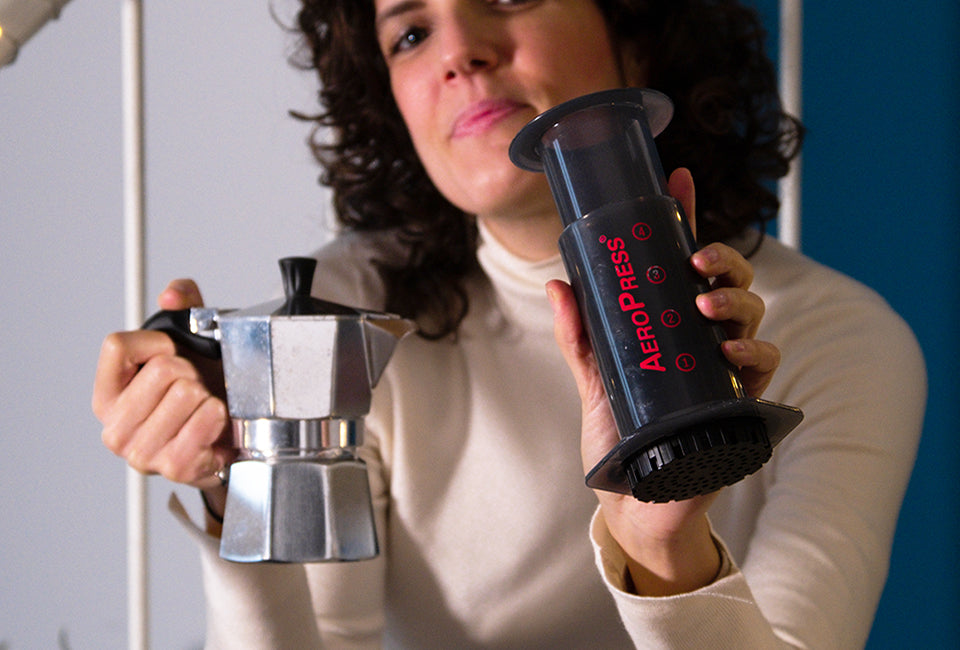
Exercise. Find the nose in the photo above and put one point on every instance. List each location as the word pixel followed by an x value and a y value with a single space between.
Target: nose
pixel 469 45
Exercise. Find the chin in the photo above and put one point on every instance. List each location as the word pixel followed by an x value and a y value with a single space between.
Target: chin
pixel 509 194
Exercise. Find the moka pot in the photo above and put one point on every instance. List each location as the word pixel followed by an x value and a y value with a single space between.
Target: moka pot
pixel 686 425
pixel 298 373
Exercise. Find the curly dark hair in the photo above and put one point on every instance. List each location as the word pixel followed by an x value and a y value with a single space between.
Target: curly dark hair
pixel 707 55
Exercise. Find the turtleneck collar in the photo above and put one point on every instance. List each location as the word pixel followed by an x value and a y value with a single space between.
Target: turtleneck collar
pixel 518 284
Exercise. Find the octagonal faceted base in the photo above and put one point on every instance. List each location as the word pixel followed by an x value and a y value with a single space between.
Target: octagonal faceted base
pixel 298 510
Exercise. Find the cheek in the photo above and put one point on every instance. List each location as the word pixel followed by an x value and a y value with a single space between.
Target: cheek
pixel 415 107
pixel 406 100
pixel 595 65
pixel 417 104
pixel 567 57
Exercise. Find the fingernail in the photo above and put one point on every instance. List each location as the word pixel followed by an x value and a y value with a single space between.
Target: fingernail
pixel 710 255
pixel 735 345
pixel 712 302
pixel 183 286
pixel 552 297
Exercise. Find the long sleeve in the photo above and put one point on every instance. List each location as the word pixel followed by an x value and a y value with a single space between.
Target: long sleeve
pixel 833 491
pixel 723 614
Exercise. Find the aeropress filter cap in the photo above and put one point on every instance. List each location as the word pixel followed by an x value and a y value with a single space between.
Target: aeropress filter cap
pixel 686 425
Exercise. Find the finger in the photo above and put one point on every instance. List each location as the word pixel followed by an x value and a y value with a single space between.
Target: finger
pixel 164 423
pixel 725 264
pixel 680 185
pixel 146 391
pixel 200 448
pixel 739 311
pixel 180 294
pixel 757 361
pixel 121 357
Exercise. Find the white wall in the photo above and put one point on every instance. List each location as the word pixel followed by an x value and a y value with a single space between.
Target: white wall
pixel 231 188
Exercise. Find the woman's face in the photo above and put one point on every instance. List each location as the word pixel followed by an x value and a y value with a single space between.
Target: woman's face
pixel 468 74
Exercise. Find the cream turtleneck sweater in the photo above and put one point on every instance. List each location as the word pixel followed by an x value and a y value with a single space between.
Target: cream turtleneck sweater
pixel 485 523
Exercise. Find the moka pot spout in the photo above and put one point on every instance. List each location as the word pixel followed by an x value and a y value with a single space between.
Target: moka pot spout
pixel 381 336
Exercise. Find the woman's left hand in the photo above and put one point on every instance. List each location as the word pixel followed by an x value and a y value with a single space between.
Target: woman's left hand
pixel 668 545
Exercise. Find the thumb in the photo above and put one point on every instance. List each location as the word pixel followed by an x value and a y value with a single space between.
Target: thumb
pixel 680 186
pixel 572 340
pixel 180 294
pixel 599 432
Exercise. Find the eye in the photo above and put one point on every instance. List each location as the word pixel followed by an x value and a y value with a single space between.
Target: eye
pixel 410 38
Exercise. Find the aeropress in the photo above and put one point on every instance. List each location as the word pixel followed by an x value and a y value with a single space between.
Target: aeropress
pixel 686 425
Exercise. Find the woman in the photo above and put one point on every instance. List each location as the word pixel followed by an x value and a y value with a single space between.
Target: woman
pixel 473 436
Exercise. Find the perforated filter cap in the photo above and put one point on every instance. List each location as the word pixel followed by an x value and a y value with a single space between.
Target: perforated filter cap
pixel 698 460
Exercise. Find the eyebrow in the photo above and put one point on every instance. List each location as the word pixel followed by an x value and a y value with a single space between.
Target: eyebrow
pixel 396 10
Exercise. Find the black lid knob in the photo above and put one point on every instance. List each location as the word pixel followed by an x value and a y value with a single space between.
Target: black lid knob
pixel 297 276
pixel 297 281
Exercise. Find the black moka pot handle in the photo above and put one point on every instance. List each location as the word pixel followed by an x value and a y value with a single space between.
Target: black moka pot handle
pixel 176 324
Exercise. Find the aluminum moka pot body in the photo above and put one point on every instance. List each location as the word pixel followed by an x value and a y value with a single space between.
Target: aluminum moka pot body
pixel 687 426
pixel 299 374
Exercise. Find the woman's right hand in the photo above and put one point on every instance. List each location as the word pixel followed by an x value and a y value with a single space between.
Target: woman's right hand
pixel 162 413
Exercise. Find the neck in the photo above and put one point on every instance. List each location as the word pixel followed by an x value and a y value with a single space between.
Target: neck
pixel 530 237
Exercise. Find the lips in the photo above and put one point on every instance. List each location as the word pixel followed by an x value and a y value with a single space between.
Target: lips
pixel 482 116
